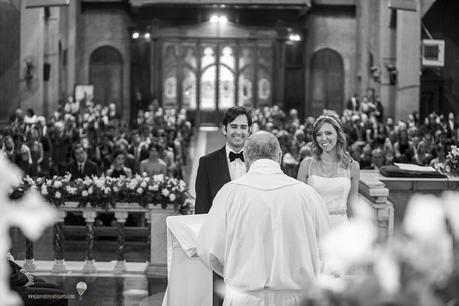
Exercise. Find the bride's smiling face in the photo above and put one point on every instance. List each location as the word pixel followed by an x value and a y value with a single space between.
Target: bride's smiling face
pixel 327 137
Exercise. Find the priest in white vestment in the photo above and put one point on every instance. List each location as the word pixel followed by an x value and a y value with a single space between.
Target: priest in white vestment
pixel 263 230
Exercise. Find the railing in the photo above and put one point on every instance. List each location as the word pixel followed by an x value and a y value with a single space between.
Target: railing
pixel 374 192
pixel 156 250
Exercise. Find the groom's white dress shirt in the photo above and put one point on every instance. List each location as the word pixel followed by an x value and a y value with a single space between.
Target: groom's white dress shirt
pixel 262 235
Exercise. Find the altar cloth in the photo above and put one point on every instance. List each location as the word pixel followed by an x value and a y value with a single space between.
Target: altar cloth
pixel 189 279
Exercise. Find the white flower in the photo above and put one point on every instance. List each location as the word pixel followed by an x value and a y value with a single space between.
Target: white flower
pixel 348 245
pixel 165 192
pixel 67 177
pixel 430 246
pixel 57 184
pixel 116 189
pixel 451 202
pixel 424 218
pixel 388 272
pixel 44 190
pixel 84 193
pixel 100 183
pixel 139 190
pixel 182 185
pixel 71 190
pixel 107 190
pixel 153 188
pixel 158 177
pixel 172 197
pixel 143 185
pixel 132 184
pixel 10 176
pixel 90 190
pixel 57 195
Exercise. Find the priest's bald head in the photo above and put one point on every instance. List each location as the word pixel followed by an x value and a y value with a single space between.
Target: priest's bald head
pixel 261 145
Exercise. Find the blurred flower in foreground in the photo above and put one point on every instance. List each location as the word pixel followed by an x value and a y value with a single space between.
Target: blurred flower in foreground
pixel 30 213
pixel 451 201
pixel 419 267
pixel 350 244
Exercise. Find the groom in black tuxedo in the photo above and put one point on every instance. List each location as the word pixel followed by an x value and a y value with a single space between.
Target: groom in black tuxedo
pixel 226 164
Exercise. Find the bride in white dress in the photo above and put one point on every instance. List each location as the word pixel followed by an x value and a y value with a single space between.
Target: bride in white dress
pixel 331 171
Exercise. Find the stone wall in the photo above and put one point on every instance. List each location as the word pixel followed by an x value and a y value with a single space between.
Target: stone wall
pixel 336 31
pixel 99 28
pixel 9 57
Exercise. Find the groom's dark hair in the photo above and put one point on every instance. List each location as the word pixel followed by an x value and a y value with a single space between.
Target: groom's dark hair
pixel 235 111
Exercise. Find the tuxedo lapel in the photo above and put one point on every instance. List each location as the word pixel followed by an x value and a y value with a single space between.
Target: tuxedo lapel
pixel 224 164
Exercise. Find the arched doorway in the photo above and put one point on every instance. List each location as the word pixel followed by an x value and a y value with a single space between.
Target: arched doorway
pixel 206 76
pixel 326 85
pixel 106 74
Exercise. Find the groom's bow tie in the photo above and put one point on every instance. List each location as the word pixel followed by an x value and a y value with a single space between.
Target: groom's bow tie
pixel 233 156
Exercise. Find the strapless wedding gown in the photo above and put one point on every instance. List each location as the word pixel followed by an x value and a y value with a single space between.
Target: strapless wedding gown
pixel 334 191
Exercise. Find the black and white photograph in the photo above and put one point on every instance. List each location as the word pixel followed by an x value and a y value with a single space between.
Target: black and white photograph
pixel 229 152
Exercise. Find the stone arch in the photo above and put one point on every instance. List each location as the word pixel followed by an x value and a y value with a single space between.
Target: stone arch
pixel 106 74
pixel 326 81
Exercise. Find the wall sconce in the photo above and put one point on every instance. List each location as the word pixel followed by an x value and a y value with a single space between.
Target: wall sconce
pixel 28 74
pixel 293 36
pixel 140 35
pixel 393 72
pixel 375 73
pixel 218 19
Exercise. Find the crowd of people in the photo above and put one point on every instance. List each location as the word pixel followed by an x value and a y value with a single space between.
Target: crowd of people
pixel 94 140
pixel 372 141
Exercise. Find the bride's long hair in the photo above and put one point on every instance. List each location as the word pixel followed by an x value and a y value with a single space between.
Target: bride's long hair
pixel 341 143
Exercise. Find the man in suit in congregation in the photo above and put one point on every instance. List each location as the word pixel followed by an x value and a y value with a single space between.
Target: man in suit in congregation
pixel 222 166
pixel 226 164
pixel 81 166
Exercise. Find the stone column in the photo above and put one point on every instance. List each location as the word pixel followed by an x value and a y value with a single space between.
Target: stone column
pixel 121 217
pixel 89 265
pixel 29 264
pixel 408 63
pixel 158 240
pixel 148 244
pixel 58 243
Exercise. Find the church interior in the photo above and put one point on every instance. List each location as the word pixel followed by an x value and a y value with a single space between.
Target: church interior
pixel 119 82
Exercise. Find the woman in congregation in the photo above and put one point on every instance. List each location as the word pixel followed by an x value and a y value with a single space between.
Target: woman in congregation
pixel 153 165
pixel 331 171
pixel 118 169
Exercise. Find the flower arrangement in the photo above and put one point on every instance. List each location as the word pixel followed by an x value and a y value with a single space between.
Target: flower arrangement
pixel 451 164
pixel 418 267
pixel 105 191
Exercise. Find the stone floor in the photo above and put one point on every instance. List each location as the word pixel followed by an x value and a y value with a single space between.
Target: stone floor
pixel 109 290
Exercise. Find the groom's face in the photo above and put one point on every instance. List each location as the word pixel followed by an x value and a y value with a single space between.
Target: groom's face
pixel 236 132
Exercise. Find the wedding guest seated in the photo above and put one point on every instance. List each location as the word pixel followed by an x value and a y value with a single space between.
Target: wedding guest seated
pixel 440 158
pixel 81 166
pixel 153 164
pixel 377 158
pixel 33 290
pixel 118 169
pixel 365 157
pixel 263 230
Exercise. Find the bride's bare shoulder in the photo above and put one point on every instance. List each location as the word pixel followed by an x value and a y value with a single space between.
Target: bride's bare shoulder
pixel 306 161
